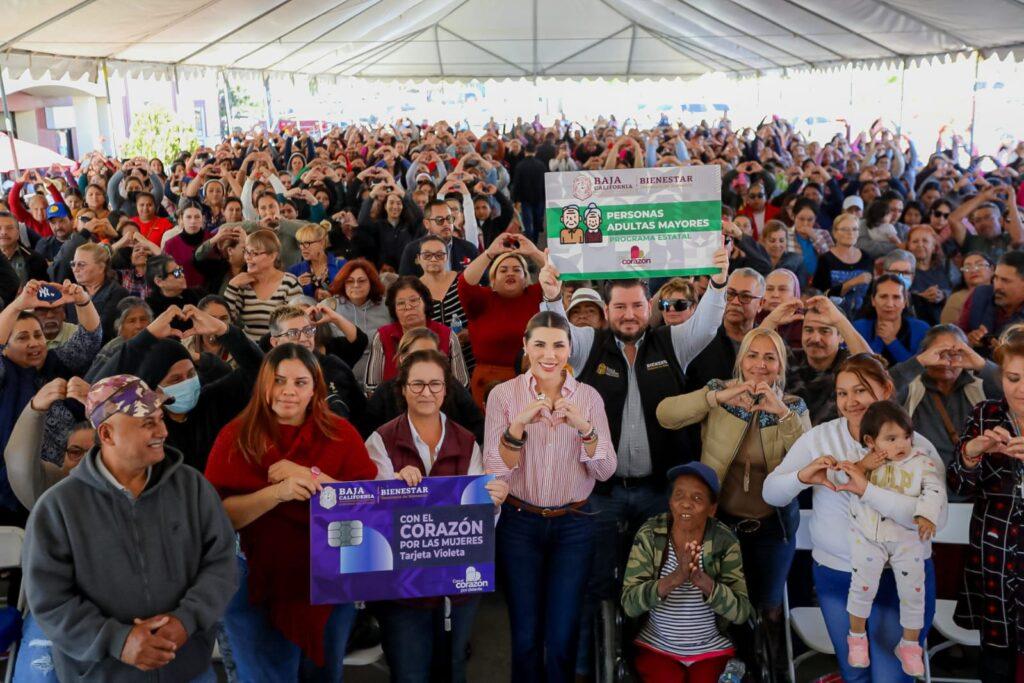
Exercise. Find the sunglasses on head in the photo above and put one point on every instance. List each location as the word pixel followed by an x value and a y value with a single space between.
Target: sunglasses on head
pixel 678 305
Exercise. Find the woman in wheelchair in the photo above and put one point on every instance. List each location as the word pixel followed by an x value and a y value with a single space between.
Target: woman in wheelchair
pixel 685 576
pixel 747 425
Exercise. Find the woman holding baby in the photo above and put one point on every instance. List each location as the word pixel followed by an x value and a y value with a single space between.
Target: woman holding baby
pixel 828 457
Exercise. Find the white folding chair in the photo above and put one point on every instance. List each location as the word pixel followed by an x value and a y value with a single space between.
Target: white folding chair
pixel 11 540
pixel 807 622
pixel 956 532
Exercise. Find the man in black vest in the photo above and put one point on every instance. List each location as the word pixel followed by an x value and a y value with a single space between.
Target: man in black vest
pixel 634 367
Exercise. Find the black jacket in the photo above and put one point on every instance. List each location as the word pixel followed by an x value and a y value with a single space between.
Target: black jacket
pixel 658 376
pixel 219 402
pixel 528 181
pixel 460 254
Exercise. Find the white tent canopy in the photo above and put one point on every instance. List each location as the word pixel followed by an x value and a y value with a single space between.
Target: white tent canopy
pixel 463 39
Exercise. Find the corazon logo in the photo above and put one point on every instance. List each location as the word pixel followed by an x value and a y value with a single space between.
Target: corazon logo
pixel 636 252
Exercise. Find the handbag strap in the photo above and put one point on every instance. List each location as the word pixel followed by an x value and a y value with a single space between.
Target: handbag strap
pixel 946 421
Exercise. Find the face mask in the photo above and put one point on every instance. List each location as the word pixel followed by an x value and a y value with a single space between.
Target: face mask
pixel 185 395
pixel 905 279
pixel 133 195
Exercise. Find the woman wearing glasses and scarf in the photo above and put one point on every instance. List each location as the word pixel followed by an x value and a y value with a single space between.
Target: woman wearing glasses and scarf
pixel 747 426
pixel 423 442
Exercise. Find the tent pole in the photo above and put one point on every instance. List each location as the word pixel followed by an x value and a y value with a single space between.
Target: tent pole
pixel 8 124
pixel 110 109
pixel 903 80
pixel 974 98
pixel 270 105
pixel 227 99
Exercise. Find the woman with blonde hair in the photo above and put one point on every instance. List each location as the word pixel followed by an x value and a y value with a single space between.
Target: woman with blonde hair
pixel 674 302
pixel 263 286
pixel 748 424
pixel 91 269
pixel 317 269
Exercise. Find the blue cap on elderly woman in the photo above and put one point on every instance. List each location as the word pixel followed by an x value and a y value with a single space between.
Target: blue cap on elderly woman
pixel 697 469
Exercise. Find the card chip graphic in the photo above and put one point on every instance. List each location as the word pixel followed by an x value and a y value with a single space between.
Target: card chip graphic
pixel 345 534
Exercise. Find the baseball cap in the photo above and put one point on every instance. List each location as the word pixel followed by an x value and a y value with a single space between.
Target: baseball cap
pixel 56 211
pixel 853 200
pixel 121 394
pixel 697 469
pixel 585 295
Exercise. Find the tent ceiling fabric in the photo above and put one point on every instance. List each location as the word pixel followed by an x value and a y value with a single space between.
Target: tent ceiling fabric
pixel 463 39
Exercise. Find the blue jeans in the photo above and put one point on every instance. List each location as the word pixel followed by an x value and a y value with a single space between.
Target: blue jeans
pixel 533 219
pixel 35 658
pixel 620 513
pixel 263 654
pixel 770 549
pixel 415 641
pixel 884 630
pixel 545 563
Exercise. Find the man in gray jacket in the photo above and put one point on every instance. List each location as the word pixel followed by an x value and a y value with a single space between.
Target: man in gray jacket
pixel 130 561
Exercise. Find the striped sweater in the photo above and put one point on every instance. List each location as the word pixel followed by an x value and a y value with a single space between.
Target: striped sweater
pixel 720 558
pixel 252 312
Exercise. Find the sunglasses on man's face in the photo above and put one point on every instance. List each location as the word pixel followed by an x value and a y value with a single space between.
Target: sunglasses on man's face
pixel 677 305
pixel 178 272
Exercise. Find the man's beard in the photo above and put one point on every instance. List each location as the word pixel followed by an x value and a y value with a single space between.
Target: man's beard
pixel 629 338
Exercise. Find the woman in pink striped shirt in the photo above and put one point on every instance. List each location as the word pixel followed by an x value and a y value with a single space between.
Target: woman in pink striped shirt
pixel 547 435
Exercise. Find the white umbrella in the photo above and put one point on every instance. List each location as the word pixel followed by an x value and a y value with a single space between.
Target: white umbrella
pixel 16 155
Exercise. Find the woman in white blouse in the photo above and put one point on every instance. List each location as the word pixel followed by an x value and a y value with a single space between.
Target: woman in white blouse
pixel 423 442
pixel 818 458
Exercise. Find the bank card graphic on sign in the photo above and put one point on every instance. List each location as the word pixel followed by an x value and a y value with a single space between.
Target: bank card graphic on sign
pixel 384 540
pixel 637 222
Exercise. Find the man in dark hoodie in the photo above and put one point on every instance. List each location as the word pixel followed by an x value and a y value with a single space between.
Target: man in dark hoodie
pixel 130 561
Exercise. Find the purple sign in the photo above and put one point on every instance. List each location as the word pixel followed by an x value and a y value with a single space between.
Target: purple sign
pixel 384 540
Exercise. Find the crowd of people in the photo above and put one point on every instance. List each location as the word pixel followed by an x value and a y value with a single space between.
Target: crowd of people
pixel 193 347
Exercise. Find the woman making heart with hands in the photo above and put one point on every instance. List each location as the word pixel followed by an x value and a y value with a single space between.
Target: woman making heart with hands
pixel 747 425
pixel 813 461
pixel 547 435
pixel 989 469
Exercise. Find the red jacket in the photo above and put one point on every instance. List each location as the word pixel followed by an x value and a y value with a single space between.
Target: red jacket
pixel 391 334
pixel 771 212
pixel 23 215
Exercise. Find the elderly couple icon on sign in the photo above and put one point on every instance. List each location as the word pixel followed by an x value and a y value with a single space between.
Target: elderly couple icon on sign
pixel 572 233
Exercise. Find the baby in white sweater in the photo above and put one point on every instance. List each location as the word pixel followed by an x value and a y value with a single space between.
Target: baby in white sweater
pixel 892 463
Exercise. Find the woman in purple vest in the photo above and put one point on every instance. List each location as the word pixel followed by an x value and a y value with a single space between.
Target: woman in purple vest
pixel 428 634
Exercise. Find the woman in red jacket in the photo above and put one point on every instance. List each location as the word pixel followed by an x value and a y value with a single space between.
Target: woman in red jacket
pixel 266 464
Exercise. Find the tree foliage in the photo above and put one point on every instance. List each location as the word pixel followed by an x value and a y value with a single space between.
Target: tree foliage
pixel 157 132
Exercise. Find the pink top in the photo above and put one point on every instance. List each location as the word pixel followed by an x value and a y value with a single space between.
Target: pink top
pixel 554 468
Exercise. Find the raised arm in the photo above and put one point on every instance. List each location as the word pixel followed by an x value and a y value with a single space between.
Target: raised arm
pixel 581 338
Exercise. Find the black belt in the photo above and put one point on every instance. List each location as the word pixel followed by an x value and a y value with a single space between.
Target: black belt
pixel 769 524
pixel 650 481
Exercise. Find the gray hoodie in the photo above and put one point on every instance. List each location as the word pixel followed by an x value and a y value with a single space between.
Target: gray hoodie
pixel 95 559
